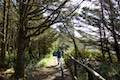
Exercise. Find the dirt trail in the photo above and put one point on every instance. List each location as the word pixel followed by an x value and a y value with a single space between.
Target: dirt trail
pixel 51 72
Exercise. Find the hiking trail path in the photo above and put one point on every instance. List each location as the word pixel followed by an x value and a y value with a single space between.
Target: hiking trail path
pixel 51 72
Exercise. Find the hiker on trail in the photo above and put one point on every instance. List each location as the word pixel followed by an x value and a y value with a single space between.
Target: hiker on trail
pixel 58 54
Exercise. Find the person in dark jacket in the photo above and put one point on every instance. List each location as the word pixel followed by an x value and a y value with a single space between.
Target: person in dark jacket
pixel 59 55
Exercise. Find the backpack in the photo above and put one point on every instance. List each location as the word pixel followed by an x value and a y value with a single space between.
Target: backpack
pixel 55 53
pixel 59 54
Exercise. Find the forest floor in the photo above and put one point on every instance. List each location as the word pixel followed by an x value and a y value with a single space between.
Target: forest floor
pixel 51 72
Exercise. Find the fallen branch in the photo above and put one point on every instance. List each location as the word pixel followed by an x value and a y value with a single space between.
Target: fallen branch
pixel 89 69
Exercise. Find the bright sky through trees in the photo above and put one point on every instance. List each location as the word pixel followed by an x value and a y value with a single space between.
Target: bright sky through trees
pixel 84 27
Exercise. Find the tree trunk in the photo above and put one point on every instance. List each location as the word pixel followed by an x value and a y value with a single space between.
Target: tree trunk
pixel 7 25
pixel 77 52
pixel 101 42
pixel 20 62
pixel 117 50
pixel 112 17
pixel 2 54
pixel 21 41
pixel 110 58
pixel 116 46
